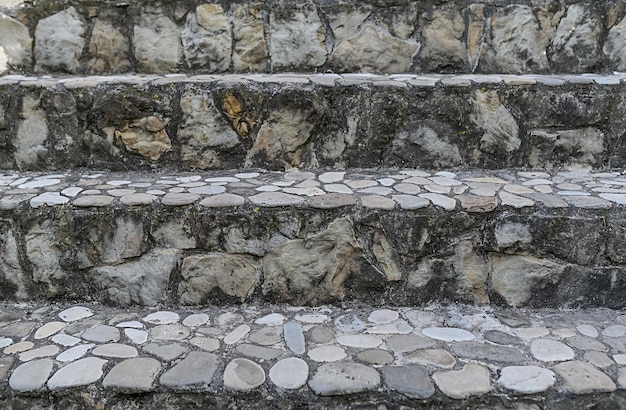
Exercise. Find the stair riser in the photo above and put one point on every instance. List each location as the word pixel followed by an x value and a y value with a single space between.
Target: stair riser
pixel 194 255
pixel 231 124
pixel 406 36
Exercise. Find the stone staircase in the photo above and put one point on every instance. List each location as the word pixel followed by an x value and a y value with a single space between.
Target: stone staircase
pixel 312 205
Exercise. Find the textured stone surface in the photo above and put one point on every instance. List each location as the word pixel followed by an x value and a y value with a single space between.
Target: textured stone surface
pixel 290 373
pixel 156 43
pixel 133 375
pixel 16 44
pixel 580 377
pixel 206 39
pixel 471 380
pixel 243 375
pixel 526 379
pixel 59 41
pixel 297 38
pixel 343 378
pixel 412 381
pixel 78 373
pixel 195 369
pixel 31 376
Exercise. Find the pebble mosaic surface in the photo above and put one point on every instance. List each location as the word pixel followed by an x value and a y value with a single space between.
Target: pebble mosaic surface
pixel 378 189
pixel 457 351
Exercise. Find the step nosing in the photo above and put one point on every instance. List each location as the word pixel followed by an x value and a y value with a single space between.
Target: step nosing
pixel 406 189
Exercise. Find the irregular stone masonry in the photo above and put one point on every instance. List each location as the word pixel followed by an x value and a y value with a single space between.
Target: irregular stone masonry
pixel 312 121
pixel 372 36
pixel 398 236
pixel 455 355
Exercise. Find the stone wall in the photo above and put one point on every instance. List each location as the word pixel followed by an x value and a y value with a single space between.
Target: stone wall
pixel 400 36
pixel 194 255
pixel 311 122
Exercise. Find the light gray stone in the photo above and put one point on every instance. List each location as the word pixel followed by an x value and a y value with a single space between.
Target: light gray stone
pixel 31 376
pixel 500 129
pixel 377 202
pixel 289 373
pixel 334 379
pixel 514 277
pixel 101 334
pixel 432 357
pixel 43 351
pixel 615 45
pixel 448 334
pixel 234 275
pixel 408 343
pixel 136 336
pixel 143 281
pixel 373 50
pixel 196 319
pixel 65 340
pixel 297 38
pixel 375 356
pixel 598 359
pixel 526 379
pixel 294 337
pixel 486 352
pixel 614 331
pixel 15 44
pixel 258 352
pixel 237 334
pixel 421 142
pixel 583 147
pixel 49 329
pixel 197 368
pixel 169 332
pixel 470 381
pixel 586 343
pixel 162 317
pixel 32 133
pixel 550 350
pixel 223 200
pixel 156 43
pixel 516 43
pixel 59 42
pixel 206 343
pixel 361 341
pixel 444 46
pixel 270 199
pixel 74 353
pixel 512 233
pixel 582 378
pixel 168 351
pixel 75 313
pixel 327 354
pixel 6 364
pixel 576 43
pixel 207 39
pixel 133 375
pixel 266 336
pixel 79 373
pixel 412 381
pixel 243 375
pixel 115 350
pixel 442 201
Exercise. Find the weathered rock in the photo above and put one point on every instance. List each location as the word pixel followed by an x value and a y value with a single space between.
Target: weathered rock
pixel 143 281
pixel 333 379
pixel 314 270
pixel 471 380
pixel 297 38
pixel 514 277
pixel 250 50
pixel 156 43
pixel 615 45
pixel 59 42
pixel 422 144
pixel 204 132
pixel 512 234
pixel 372 50
pixel 133 375
pixel 516 43
pixel 234 275
pixel 412 380
pixel 576 46
pixel 444 48
pixel 476 28
pixel 501 132
pixel 44 256
pixel 110 49
pixel 11 272
pixel 146 137
pixel 572 148
pixel 173 234
pixel 582 378
pixel 15 44
pixel 284 139
pixel 207 39
pixel 32 134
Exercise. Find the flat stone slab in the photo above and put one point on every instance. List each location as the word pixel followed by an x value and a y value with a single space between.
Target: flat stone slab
pixel 289 373
pixel 244 375
pixel 133 375
pixel 79 373
pixel 412 381
pixel 333 379
pixel 526 379
pixel 582 378
pixel 472 380
pixel 551 350
pixel 31 376
pixel 197 368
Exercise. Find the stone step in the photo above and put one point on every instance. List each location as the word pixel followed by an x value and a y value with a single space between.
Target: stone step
pixel 266 357
pixel 454 36
pixel 312 121
pixel 396 237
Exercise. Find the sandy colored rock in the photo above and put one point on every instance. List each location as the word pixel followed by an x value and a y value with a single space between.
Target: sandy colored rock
pixel 250 51
pixel 443 48
pixel 372 50
pixel 207 39
pixel 110 49
pixel 156 43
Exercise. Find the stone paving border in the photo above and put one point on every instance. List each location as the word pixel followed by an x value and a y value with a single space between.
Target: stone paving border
pixel 454 354
pixel 471 191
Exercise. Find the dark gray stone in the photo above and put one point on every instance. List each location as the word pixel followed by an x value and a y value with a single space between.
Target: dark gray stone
pixel 501 338
pixel 481 351
pixel 197 368
pixel 412 380
pixel 375 356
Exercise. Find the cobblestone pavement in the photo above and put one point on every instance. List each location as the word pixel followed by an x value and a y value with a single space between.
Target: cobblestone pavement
pixel 453 351
pixel 474 191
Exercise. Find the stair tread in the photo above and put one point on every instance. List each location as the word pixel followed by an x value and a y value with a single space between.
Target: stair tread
pixel 427 79
pixel 472 190
pixel 451 353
